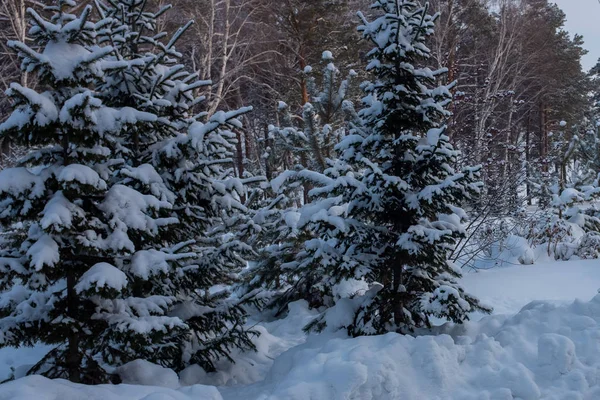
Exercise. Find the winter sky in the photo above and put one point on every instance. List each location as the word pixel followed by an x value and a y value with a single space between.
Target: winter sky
pixel 582 18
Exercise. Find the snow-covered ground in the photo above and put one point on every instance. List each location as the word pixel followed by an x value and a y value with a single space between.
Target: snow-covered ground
pixel 509 289
pixel 543 342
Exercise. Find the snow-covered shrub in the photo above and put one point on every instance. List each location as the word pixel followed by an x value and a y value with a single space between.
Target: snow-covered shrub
pixel 555 234
pixel 589 246
pixel 493 241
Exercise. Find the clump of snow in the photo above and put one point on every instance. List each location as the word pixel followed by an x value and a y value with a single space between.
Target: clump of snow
pixel 59 213
pixel 44 252
pixel 327 55
pixel 64 58
pixel 141 372
pixel 129 210
pixel 349 287
pixel 81 174
pixel 102 275
pixel 16 181
pixel 41 109
pixel 82 108
pixel 147 263
pixel 144 173
pixel 291 218
pixel 519 248
pixel 143 315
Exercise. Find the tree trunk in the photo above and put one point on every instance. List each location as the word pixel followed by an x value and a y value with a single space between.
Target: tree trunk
pixel 240 153
pixel 528 158
pixel 268 170
pixel 397 281
pixel 73 361
pixel 303 65
pixel 543 138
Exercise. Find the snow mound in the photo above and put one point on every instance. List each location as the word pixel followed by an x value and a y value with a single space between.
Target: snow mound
pixel 141 372
pixel 546 351
pixel 39 388
pixel 250 367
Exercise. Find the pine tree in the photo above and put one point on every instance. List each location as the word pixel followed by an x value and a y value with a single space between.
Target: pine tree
pixel 192 154
pixel 107 264
pixel 410 202
pixel 304 142
pixel 330 110
pixel 307 140
pixel 387 212
pixel 74 263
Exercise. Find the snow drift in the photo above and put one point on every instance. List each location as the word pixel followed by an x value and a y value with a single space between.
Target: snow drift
pixel 546 351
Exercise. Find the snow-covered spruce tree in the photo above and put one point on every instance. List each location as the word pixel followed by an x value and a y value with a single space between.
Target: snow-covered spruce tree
pixel 308 140
pixel 408 195
pixel 198 167
pixel 193 155
pixel 302 142
pixel 145 72
pixel 387 212
pixel 74 273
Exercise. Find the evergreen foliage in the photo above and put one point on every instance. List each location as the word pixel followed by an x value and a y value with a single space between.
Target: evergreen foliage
pixel 387 212
pixel 127 209
pixel 127 229
pixel 307 140
pixel 304 142
pixel 192 153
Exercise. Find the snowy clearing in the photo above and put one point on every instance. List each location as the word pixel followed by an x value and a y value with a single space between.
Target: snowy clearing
pixel 548 350
pixel 510 289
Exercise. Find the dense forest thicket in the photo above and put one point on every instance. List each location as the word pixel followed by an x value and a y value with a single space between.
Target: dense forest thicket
pixel 517 72
pixel 163 180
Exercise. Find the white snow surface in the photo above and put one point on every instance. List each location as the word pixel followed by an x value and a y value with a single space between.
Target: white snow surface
pixel 141 372
pixel 39 388
pixel 542 342
pixel 509 289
